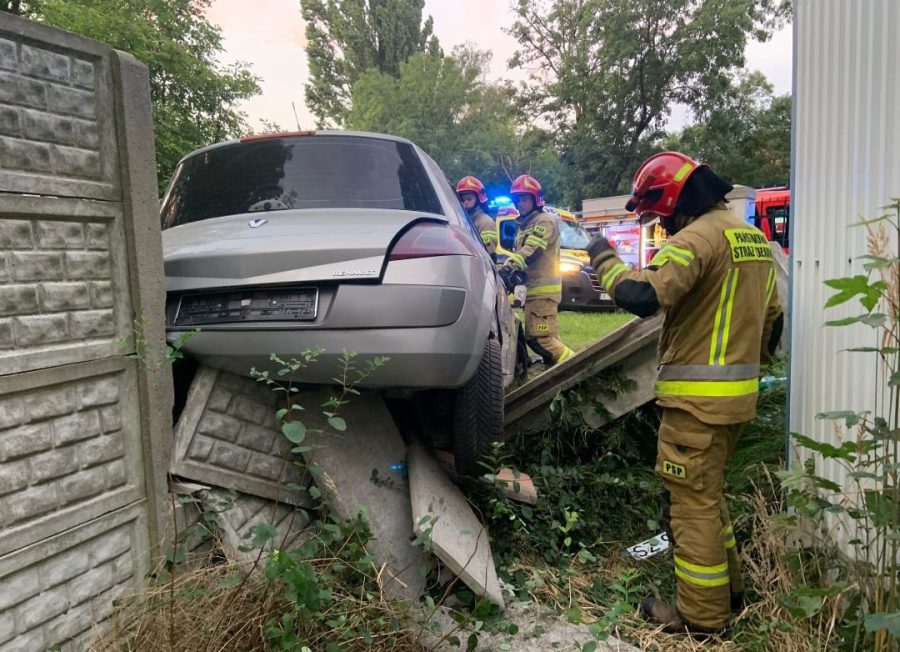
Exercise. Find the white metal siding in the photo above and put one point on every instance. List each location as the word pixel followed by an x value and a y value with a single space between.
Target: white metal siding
pixel 846 148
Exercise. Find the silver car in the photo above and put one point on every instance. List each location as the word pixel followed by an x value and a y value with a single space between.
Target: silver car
pixel 341 241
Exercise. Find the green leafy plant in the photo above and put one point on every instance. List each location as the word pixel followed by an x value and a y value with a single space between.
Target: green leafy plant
pixel 865 500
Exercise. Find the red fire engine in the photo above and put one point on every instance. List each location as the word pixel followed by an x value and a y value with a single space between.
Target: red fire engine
pixel 773 214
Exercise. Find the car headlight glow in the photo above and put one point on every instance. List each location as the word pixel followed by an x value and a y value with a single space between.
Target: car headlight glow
pixel 566 267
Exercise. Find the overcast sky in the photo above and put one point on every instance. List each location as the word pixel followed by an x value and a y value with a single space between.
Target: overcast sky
pixel 269 35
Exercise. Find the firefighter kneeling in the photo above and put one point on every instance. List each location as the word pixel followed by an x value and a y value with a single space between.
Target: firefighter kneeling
pixel 715 281
pixel 537 254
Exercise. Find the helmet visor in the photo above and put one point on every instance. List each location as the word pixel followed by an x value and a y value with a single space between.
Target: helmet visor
pixel 643 199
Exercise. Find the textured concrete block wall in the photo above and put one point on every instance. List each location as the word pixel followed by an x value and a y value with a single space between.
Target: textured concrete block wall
pixel 84 425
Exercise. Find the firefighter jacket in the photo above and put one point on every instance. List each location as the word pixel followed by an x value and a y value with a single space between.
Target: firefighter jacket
pixel 715 280
pixel 486 227
pixel 537 252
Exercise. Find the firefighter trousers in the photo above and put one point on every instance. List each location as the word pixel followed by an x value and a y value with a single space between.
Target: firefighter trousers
pixel 691 459
pixel 542 330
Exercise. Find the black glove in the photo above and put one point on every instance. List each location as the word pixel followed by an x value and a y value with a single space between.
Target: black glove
pixel 598 246
pixel 512 277
pixel 506 275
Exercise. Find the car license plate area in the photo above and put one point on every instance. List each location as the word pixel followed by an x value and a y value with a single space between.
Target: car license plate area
pixel 291 304
pixel 650 547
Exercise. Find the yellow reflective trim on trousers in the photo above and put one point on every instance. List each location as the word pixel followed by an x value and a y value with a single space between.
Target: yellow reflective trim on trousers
pixel 728 537
pixel 712 388
pixel 707 576
pixel 770 286
pixel 719 341
pixel 683 172
pixel 614 273
pixel 540 290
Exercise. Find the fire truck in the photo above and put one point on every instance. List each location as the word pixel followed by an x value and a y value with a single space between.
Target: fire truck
pixel 773 214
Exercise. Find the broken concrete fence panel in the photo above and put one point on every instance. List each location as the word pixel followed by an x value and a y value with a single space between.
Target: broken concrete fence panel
pixel 456 536
pixel 353 473
pixel 227 436
pixel 237 514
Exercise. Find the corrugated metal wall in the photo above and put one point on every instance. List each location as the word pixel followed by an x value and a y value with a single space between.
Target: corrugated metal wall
pixel 846 150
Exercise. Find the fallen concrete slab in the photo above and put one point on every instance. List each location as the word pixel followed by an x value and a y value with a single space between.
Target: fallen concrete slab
pixel 354 475
pixel 631 347
pixel 441 512
pixel 236 515
pixel 228 437
pixel 539 629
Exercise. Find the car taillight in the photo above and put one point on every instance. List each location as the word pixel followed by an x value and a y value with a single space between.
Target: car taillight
pixel 429 239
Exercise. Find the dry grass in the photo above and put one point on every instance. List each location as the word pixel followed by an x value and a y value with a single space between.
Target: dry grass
pixel 223 607
pixel 764 624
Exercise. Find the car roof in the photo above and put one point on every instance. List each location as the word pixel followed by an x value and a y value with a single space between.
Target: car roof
pixel 297 134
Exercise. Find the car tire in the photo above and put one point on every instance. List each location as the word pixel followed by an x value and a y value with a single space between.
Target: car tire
pixel 478 412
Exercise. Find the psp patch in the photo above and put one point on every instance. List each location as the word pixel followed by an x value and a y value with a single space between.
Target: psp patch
pixel 540 230
pixel 675 470
pixel 543 328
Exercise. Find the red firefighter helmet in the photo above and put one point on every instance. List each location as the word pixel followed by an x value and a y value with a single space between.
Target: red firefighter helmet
pixel 526 185
pixel 658 183
pixel 471 184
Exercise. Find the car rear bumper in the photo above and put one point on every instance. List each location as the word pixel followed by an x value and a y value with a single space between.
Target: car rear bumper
pixel 431 317
pixel 420 358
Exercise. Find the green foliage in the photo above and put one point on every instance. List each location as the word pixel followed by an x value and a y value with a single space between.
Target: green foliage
pixel 594 486
pixel 193 96
pixel 146 354
pixel 745 136
pixel 866 502
pixel 346 38
pixel 443 104
pixel 609 71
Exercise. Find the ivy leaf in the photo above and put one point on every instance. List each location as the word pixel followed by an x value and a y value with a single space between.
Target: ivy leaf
pixel 262 533
pixel 850 418
pixel 847 450
pixel 846 321
pixel 847 287
pixel 875 320
pixel 337 423
pixel 888 621
pixel 294 431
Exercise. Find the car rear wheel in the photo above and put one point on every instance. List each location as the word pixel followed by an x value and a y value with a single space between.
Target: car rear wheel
pixel 478 412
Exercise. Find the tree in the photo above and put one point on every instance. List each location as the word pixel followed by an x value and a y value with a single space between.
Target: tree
pixel 345 38
pixel 193 97
pixel 468 126
pixel 746 137
pixel 609 71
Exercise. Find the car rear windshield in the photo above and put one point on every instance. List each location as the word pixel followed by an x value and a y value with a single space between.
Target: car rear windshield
pixel 299 172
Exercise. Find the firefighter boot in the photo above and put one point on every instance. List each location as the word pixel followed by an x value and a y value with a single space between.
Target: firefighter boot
pixel 660 612
pixel 691 461
pixel 542 330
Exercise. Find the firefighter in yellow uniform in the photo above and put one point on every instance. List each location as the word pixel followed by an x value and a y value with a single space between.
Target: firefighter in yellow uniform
pixel 474 200
pixel 715 282
pixel 537 254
